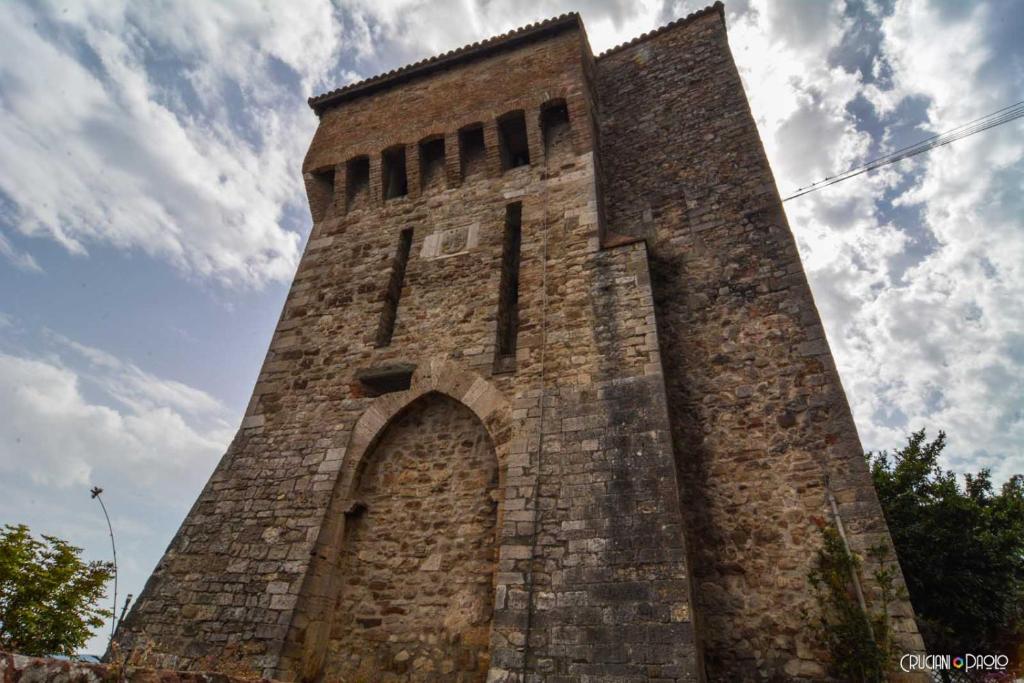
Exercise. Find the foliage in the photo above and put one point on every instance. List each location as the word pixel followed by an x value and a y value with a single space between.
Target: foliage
pixel 961 547
pixel 48 595
pixel 859 644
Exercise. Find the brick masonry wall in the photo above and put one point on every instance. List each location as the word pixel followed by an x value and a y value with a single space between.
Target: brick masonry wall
pixel 589 576
pixel 759 418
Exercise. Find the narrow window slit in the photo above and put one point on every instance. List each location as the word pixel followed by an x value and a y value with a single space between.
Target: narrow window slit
pixel 389 315
pixel 357 186
pixel 393 175
pixel 508 296
pixel 432 163
pixel 472 153
pixel 512 140
pixel 320 190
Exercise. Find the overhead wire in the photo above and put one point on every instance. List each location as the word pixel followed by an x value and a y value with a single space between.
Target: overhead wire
pixel 982 123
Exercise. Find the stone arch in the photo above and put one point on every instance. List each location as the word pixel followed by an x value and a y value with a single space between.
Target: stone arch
pixel 437 375
pixel 418 559
pixel 307 642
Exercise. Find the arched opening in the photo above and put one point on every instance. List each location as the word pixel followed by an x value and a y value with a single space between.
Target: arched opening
pixel 512 140
pixel 394 181
pixel 320 192
pixel 357 189
pixel 432 160
pixel 419 553
pixel 472 151
pixel 557 132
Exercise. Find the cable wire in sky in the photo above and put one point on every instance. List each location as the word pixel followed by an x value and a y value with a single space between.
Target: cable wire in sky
pixel 996 118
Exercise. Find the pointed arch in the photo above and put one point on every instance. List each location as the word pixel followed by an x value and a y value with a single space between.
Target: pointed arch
pixel 307 642
pixel 438 375
pixel 420 550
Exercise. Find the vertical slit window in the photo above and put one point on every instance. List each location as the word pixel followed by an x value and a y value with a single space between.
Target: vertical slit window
pixel 512 140
pixel 389 315
pixel 473 157
pixel 432 163
pixel 508 297
pixel 393 175
pixel 320 191
pixel 357 186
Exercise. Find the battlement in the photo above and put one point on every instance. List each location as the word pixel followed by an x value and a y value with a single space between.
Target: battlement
pixel 478 113
pixel 444 159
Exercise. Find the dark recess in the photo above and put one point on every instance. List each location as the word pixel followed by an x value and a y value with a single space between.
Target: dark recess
pixel 512 140
pixel 395 181
pixel 472 154
pixel 389 315
pixel 508 297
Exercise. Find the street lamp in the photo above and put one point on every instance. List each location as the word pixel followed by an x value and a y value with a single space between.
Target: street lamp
pixel 96 491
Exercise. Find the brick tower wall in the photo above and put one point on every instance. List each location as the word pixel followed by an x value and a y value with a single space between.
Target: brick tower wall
pixel 577 415
pixel 759 418
pixel 651 372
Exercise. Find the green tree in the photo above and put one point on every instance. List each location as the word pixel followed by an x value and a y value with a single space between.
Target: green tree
pixel 961 547
pixel 859 643
pixel 48 595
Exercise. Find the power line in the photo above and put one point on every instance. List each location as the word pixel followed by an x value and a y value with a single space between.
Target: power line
pixel 996 118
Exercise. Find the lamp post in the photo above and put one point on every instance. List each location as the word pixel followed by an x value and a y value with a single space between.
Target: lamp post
pixel 96 491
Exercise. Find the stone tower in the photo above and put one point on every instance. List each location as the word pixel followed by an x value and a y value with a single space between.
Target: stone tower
pixel 549 398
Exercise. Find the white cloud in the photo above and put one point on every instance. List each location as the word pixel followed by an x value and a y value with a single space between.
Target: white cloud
pixel 176 130
pixel 943 345
pixel 390 33
pixel 923 335
pixel 144 430
pixel 77 416
pixel 136 388
pixel 19 259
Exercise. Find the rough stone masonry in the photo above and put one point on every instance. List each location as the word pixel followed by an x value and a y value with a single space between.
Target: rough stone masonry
pixel 549 399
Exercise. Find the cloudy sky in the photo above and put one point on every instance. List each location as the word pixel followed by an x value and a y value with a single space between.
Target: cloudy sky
pixel 152 214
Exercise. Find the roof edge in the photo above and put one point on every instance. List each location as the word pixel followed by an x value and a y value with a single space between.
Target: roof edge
pixel 563 22
pixel 682 21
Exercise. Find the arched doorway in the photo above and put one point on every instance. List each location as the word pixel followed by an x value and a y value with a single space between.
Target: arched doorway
pixel 418 558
